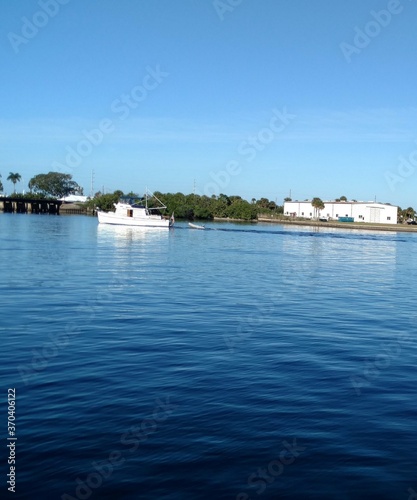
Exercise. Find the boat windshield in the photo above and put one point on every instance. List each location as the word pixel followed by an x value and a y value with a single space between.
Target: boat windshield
pixel 142 201
pixel 135 201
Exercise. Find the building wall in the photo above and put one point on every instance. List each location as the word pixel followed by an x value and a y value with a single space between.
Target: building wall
pixel 360 211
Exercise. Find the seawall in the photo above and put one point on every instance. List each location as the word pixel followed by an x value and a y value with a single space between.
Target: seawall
pixel 364 226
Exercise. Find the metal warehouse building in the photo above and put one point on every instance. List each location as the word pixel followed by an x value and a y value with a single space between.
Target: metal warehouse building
pixel 359 211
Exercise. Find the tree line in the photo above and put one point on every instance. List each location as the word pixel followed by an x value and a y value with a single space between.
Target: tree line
pixel 186 206
pixel 194 206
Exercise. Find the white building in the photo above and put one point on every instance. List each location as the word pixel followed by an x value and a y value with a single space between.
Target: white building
pixel 359 211
pixel 74 198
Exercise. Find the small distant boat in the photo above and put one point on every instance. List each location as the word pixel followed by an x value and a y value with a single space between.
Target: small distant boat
pixel 130 211
pixel 195 226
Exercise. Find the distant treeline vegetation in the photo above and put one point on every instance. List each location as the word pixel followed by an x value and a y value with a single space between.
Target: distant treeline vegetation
pixel 194 206
pixel 186 206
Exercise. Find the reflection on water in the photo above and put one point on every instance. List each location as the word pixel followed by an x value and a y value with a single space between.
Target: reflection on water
pixel 357 265
pixel 335 249
pixel 126 235
pixel 131 256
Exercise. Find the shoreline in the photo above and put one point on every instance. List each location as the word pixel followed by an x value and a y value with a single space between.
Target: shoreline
pixel 366 226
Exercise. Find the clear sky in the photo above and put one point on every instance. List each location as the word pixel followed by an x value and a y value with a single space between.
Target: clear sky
pixel 258 98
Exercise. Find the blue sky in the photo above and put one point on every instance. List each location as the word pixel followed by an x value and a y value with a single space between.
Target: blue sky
pixel 249 97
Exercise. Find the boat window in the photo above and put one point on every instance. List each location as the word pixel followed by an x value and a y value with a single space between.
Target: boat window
pixel 130 213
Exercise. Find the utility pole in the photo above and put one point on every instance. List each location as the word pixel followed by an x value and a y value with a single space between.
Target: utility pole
pixel 92 183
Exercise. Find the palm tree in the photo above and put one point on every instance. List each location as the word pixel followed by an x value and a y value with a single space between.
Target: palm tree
pixel 317 205
pixel 14 178
pixel 408 213
pixel 1 184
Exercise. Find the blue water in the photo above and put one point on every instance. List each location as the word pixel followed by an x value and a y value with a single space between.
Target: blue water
pixel 242 362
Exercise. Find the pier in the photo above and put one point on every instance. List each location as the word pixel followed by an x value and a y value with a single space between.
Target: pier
pixel 31 206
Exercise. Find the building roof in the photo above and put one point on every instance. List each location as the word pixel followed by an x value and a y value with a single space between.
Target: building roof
pixel 345 202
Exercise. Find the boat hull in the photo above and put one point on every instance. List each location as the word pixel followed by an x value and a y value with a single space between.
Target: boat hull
pixel 113 218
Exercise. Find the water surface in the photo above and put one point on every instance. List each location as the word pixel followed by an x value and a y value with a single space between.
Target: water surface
pixel 244 361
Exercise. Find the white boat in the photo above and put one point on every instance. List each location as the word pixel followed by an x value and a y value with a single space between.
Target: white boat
pixel 195 226
pixel 129 211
